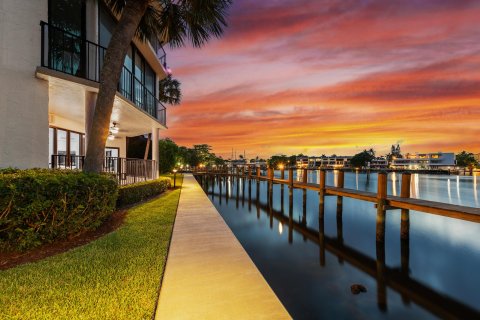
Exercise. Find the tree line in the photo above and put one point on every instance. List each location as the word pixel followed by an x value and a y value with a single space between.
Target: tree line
pixel 362 159
pixel 172 156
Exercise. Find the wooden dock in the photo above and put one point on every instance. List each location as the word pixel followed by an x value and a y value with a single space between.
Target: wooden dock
pixel 382 201
pixel 397 279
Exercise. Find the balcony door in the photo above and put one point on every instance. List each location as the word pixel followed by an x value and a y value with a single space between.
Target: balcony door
pixel 67 21
pixel 66 148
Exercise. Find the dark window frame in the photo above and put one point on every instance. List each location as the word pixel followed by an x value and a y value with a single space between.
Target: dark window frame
pixel 135 52
pixel 55 138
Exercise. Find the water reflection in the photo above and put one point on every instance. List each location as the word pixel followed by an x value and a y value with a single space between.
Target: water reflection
pixel 349 244
pixel 475 194
pixel 458 190
pixel 394 183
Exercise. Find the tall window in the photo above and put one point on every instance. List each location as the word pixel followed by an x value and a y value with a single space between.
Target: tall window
pixel 66 49
pixel 150 102
pixel 65 148
pixel 137 81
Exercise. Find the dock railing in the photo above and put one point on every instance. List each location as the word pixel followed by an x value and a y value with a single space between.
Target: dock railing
pixel 382 201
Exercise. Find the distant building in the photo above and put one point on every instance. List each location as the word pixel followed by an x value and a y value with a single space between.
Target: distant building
pixel 302 162
pixel 438 160
pixel 236 163
pixel 379 163
pixel 331 162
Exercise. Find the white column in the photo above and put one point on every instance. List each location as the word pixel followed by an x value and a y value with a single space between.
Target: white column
pixel 90 102
pixel 155 151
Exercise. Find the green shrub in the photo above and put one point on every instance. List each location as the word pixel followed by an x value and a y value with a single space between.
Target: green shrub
pixel 39 205
pixel 137 192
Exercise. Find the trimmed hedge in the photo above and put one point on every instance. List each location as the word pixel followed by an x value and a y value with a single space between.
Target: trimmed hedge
pixel 137 192
pixel 40 205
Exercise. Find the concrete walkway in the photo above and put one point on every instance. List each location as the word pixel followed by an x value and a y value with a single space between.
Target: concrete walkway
pixel 208 274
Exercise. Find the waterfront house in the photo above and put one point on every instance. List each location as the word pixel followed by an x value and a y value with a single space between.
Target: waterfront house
pixel 51 54
pixel 379 163
pixel 329 162
pixel 302 162
pixel 429 161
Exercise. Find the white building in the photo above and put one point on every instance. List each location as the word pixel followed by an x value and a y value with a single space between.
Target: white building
pixel 329 162
pixel 437 160
pixel 379 163
pixel 302 162
pixel 51 52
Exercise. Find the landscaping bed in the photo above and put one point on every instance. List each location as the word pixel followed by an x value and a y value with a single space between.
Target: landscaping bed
pixel 39 206
pixel 116 276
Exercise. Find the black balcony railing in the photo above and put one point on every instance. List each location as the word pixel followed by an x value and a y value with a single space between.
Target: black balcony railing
pixel 68 53
pixel 125 170
pixel 159 51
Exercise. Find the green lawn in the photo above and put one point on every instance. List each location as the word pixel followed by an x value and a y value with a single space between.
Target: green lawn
pixel 115 277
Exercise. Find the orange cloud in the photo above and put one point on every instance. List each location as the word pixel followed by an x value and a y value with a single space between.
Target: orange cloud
pixel 334 77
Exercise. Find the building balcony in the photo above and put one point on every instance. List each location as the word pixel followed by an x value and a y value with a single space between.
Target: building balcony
pixel 70 54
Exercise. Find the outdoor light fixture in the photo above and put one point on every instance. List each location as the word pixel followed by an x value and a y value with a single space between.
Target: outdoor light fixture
pixel 281 166
pixel 114 129
pixel 174 177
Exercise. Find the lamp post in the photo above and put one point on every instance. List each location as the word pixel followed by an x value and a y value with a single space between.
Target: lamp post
pixel 174 178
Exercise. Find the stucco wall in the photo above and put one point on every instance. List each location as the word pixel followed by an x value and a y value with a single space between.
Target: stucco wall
pixel 23 97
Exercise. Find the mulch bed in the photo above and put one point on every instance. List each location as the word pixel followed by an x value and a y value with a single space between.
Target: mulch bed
pixel 13 259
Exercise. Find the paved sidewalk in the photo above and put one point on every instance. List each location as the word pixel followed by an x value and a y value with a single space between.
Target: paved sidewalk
pixel 208 274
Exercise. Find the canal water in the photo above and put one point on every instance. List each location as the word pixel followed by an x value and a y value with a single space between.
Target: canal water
pixel 311 266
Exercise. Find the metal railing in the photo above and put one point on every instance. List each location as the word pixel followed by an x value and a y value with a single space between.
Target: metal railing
pixel 71 54
pixel 159 51
pixel 125 170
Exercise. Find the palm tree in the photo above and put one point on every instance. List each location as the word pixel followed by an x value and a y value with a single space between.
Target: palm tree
pixel 170 92
pixel 173 21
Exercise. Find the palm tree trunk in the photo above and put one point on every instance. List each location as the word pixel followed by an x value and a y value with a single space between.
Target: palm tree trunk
pixel 109 77
pixel 147 148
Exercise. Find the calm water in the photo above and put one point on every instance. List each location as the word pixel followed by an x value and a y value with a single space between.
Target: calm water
pixel 436 273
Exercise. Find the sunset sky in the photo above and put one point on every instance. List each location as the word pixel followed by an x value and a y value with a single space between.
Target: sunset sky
pixel 334 76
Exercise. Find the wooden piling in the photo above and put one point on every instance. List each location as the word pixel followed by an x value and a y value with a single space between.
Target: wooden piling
pixel 340 184
pixel 249 195
pixel 321 235
pixel 270 194
pixel 405 231
pixel 290 215
pixel 227 194
pixel 381 202
pixel 270 174
pixel 405 193
pixel 304 207
pixel 220 187
pixel 321 195
pixel 237 198
pixel 282 174
pixel 381 277
pixel 257 198
pixel 305 176
pixel 290 177
pixel 282 198
pixel 258 172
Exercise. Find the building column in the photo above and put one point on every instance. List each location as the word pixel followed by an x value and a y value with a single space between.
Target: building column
pixel 155 151
pixel 90 102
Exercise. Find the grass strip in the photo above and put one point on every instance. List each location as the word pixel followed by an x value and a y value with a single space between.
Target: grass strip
pixel 114 277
